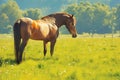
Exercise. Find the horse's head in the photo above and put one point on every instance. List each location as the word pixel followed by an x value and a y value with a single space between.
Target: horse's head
pixel 71 25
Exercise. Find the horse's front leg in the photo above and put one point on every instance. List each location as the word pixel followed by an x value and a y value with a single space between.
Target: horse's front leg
pixel 52 47
pixel 45 48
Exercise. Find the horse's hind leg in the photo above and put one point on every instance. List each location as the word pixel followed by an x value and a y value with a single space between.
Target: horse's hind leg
pixel 22 47
pixel 52 47
pixel 45 48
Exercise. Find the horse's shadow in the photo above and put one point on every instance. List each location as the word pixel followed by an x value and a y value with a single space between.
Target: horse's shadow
pixel 31 58
pixel 40 59
pixel 43 59
pixel 7 61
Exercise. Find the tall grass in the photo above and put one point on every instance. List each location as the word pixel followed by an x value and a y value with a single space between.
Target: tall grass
pixel 73 59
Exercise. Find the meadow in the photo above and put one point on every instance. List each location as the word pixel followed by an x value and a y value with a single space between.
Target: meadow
pixel 81 58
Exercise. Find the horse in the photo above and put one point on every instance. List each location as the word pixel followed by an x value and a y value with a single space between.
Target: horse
pixel 45 29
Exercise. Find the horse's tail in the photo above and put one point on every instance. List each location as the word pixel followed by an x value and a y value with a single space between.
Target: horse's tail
pixel 17 38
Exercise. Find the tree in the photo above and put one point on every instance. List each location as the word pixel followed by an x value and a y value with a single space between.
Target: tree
pixel 4 20
pixel 118 19
pixel 33 13
pixel 100 14
pixel 10 12
pixel 90 17
pixel 82 12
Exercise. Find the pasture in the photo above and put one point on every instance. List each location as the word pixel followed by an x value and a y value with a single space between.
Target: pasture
pixel 73 59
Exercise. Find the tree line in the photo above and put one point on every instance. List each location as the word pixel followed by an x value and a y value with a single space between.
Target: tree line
pixel 10 12
pixel 91 18
pixel 95 18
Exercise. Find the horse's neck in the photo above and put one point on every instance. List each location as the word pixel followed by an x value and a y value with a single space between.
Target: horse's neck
pixel 57 20
pixel 60 22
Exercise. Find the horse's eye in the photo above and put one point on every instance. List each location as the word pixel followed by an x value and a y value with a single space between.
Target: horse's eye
pixel 73 24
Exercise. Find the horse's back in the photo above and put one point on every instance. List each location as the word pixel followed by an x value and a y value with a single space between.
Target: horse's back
pixel 43 30
pixel 39 30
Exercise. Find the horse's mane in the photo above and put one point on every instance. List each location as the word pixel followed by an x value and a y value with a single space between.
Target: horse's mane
pixel 55 14
pixel 52 18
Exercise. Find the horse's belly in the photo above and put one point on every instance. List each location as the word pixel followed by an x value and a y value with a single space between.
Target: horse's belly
pixel 36 37
pixel 39 34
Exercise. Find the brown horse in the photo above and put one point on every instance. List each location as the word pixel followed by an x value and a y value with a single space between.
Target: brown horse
pixel 46 29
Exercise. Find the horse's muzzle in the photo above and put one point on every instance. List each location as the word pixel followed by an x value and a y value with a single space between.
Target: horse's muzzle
pixel 74 35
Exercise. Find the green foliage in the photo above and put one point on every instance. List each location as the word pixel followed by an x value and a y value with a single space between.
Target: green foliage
pixel 74 59
pixel 4 20
pixel 10 12
pixel 11 9
pixel 33 13
pixel 63 30
pixel 118 17
pixel 91 17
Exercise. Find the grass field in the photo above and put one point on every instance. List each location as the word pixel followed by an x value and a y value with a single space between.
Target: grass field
pixel 73 59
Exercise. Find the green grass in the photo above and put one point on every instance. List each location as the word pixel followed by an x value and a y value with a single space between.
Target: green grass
pixel 73 59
